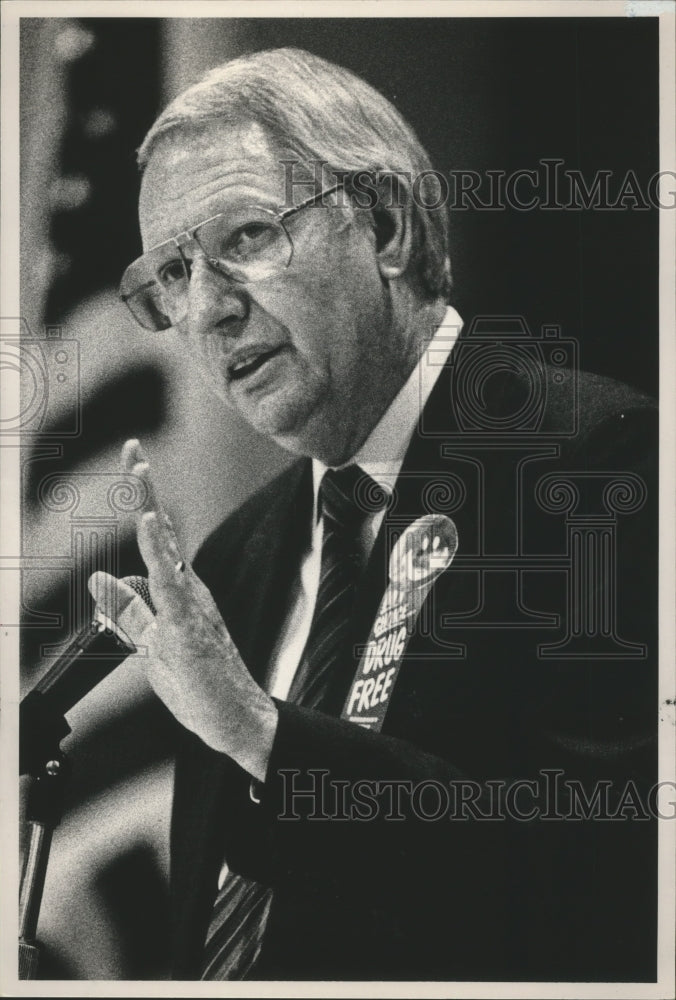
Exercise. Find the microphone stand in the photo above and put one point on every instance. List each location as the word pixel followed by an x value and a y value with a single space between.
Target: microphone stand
pixel 42 758
pixel 42 725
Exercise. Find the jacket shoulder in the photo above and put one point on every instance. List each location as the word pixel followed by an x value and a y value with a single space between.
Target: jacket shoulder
pixel 593 414
pixel 614 421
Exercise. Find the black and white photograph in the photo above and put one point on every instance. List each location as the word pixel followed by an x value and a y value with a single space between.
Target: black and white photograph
pixel 337 451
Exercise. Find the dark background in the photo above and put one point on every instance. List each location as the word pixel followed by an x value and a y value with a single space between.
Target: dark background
pixel 482 94
pixel 497 94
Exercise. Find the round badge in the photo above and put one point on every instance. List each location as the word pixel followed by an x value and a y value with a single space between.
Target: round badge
pixel 425 550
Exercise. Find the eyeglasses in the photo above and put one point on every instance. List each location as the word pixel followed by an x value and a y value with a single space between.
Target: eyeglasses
pixel 246 246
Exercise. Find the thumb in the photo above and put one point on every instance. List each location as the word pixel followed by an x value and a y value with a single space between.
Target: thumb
pixel 121 603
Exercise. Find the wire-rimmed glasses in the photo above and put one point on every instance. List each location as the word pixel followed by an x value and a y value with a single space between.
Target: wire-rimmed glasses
pixel 246 245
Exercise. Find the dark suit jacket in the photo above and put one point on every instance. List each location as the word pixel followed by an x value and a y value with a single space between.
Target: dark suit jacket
pixel 478 698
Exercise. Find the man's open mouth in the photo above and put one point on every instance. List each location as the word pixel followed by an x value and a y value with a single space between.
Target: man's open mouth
pixel 250 363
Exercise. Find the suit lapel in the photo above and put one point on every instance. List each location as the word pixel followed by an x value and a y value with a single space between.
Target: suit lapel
pixel 267 571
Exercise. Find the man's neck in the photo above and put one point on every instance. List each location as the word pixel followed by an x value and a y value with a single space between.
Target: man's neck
pixel 416 330
pixel 382 453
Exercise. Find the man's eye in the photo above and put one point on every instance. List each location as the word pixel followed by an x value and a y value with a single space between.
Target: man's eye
pixel 249 240
pixel 171 273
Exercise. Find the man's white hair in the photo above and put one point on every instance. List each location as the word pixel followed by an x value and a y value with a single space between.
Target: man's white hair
pixel 317 111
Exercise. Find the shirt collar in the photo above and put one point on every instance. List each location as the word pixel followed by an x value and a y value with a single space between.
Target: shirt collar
pixel 382 454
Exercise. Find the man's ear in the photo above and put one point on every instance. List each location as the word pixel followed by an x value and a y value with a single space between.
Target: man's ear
pixel 393 223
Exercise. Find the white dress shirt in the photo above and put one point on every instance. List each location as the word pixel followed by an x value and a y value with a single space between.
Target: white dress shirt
pixel 380 456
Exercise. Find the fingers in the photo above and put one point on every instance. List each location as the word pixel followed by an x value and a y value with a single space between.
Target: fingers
pixel 131 454
pixel 156 538
pixel 135 462
pixel 162 557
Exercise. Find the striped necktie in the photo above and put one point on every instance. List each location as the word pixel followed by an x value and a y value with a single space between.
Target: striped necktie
pixel 346 497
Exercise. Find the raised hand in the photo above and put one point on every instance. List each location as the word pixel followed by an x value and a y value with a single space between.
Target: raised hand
pixel 191 662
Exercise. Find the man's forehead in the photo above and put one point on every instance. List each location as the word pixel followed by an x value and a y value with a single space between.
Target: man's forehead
pixel 194 172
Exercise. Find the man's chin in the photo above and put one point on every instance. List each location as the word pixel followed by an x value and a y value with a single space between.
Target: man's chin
pixel 284 421
pixel 295 421
pixel 301 433
pixel 270 412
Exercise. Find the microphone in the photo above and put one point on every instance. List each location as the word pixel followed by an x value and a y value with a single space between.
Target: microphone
pixel 95 652
pixel 425 550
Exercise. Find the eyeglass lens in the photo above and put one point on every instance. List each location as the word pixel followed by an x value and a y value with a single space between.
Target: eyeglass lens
pixel 245 249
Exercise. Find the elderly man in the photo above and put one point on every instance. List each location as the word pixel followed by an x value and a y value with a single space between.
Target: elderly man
pixel 305 845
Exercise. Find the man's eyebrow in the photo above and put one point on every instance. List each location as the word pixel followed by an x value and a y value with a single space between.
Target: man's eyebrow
pixel 228 210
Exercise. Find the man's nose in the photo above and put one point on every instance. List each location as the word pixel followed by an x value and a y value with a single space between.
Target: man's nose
pixel 215 301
